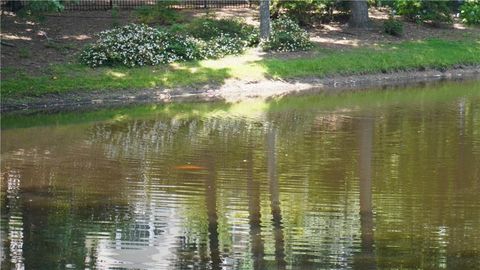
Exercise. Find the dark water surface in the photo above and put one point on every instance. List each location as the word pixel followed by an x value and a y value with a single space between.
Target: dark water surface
pixel 369 180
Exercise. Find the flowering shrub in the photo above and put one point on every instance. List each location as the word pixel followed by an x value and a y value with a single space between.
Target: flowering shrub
pixel 220 46
pixel 139 45
pixel 287 36
pixel 470 12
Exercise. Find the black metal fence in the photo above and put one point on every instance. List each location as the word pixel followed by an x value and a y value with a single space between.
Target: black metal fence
pixel 87 5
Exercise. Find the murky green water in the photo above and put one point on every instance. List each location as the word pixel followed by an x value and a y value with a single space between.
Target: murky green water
pixel 370 180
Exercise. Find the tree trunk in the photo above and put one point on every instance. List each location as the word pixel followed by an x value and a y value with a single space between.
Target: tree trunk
pixel 359 16
pixel 14 5
pixel 264 19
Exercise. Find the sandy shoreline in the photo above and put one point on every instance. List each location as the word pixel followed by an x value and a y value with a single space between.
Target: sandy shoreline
pixel 231 90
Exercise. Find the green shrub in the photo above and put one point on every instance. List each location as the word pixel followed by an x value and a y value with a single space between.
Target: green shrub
pixel 178 28
pixel 287 36
pixel 470 12
pixel 393 27
pixel 208 29
pixel 434 11
pixel 161 13
pixel 219 37
pixel 36 9
pixel 139 45
pixel 305 12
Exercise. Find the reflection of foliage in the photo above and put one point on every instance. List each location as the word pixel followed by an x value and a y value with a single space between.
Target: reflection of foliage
pixel 406 149
pixel 126 166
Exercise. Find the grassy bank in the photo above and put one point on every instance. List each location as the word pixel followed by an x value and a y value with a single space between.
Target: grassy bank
pixel 434 54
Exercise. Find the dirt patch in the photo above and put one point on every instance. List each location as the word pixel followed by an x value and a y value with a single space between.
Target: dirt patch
pixel 55 40
pixel 339 36
pixel 232 91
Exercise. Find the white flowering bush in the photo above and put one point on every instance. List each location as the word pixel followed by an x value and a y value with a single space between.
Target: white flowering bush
pixel 287 36
pixel 139 45
pixel 220 46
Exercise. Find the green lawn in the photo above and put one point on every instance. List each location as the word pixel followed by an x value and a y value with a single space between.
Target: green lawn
pixel 435 54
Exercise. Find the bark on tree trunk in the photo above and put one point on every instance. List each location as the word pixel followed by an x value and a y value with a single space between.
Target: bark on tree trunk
pixel 359 16
pixel 14 5
pixel 264 19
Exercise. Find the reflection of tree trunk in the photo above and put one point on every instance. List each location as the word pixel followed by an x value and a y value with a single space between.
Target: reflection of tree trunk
pixel 366 260
pixel 211 201
pixel 459 184
pixel 275 199
pixel 462 159
pixel 253 189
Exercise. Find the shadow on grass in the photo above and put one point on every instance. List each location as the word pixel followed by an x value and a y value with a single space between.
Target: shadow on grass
pixel 64 78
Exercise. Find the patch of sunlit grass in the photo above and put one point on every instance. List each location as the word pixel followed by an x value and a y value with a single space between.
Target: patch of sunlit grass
pixel 116 74
pixel 243 66
pixel 120 118
pixel 249 72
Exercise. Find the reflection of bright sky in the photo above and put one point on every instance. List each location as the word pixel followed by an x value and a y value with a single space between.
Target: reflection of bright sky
pixel 120 253
pixel 150 242
pixel 142 247
pixel 15 221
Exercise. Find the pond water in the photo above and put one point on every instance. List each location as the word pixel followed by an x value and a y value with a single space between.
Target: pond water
pixel 381 179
